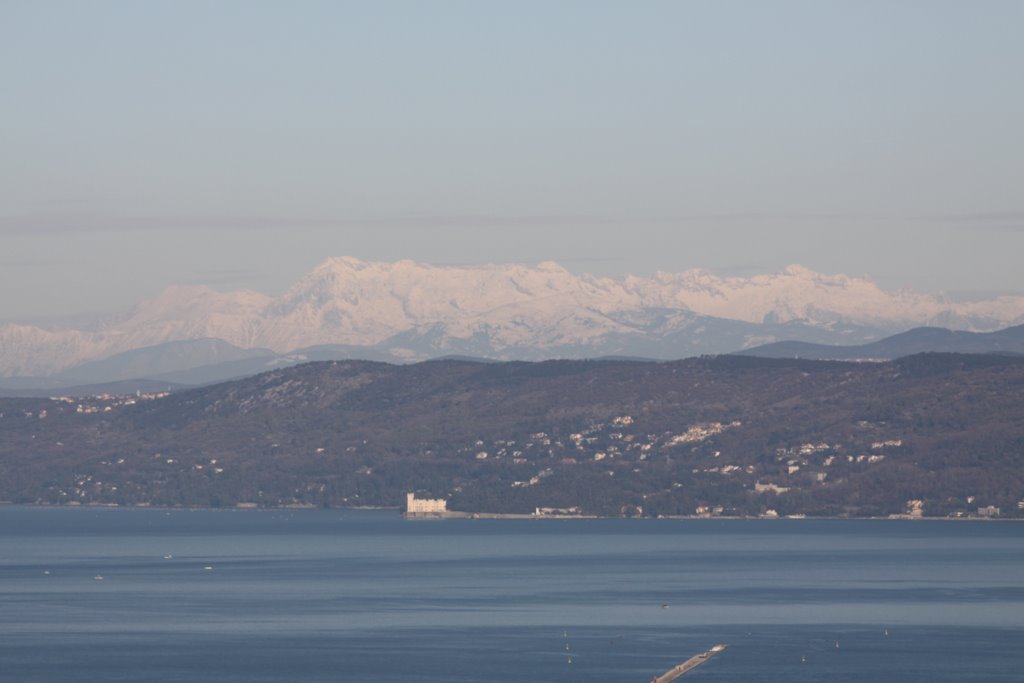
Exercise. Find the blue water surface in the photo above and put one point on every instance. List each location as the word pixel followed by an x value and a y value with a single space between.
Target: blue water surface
pixel 328 595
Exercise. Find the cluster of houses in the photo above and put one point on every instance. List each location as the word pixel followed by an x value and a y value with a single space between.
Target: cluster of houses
pixel 617 441
pixel 105 403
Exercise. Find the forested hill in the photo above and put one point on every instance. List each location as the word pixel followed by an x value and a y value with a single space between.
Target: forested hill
pixel 722 435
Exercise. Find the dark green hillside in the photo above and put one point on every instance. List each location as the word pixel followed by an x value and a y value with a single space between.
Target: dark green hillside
pixel 729 434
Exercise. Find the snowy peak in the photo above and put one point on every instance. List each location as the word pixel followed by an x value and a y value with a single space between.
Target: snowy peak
pixel 796 270
pixel 365 302
pixel 415 310
pixel 796 293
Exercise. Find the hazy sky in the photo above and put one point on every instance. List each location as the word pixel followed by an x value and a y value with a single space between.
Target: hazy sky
pixel 240 143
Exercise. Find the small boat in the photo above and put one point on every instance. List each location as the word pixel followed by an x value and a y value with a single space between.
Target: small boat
pixel 98 577
pixel 208 568
pixel 168 556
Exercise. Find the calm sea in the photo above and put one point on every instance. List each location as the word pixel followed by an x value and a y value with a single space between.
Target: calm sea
pixel 365 596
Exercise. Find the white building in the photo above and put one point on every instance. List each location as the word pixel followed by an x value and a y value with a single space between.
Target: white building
pixel 424 506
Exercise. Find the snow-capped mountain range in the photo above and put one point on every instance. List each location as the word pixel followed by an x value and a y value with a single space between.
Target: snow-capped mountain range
pixel 409 311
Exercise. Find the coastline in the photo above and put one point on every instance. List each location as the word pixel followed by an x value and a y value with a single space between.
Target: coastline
pixel 457 515
pixel 688 518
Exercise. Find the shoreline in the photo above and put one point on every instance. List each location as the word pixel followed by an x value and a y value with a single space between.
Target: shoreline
pixel 456 515
pixel 703 518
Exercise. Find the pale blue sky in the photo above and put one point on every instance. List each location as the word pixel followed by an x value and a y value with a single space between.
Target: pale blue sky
pixel 240 143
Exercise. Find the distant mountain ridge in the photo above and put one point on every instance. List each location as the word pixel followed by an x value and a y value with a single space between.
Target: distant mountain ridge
pixel 408 311
pixel 155 361
pixel 917 340
pixel 176 365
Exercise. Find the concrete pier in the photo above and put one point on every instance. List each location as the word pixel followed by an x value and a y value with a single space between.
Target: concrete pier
pixel 689 665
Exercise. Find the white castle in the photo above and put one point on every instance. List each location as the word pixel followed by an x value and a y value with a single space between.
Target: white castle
pixel 424 506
